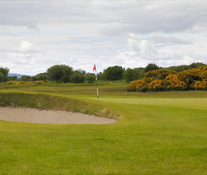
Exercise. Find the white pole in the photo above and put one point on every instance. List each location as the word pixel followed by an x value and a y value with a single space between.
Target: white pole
pixel 97 85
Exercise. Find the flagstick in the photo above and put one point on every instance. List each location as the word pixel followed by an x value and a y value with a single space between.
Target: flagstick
pixel 97 84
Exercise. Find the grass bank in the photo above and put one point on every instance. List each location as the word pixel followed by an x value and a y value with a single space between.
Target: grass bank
pixel 45 101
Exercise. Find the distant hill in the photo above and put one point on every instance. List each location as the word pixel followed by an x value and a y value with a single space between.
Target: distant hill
pixel 18 75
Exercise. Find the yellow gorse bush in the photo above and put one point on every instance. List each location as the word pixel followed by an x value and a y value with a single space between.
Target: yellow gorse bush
pixel 156 85
pixel 15 82
pixel 174 82
pixel 27 83
pixel 161 79
pixel 39 82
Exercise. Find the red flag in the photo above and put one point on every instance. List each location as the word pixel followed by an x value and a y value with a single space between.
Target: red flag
pixel 94 68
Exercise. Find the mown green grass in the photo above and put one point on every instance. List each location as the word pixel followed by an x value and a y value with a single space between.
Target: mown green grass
pixel 157 133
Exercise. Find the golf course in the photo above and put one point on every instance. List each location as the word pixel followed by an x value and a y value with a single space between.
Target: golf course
pixel 154 133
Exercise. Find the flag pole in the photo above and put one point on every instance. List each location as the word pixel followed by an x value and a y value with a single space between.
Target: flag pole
pixel 94 68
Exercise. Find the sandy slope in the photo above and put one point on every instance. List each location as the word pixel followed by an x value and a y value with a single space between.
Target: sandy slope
pixel 30 115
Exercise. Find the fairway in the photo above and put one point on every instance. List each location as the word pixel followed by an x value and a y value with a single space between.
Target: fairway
pixel 156 133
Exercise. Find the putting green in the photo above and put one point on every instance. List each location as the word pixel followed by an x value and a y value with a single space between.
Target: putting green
pixel 193 103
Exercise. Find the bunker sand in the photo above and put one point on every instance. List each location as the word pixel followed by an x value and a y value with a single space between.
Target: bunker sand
pixel 30 115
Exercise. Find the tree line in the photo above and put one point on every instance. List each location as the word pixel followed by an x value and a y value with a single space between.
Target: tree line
pixel 64 73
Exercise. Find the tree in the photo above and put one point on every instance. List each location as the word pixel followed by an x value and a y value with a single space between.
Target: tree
pixel 114 73
pixel 81 71
pixel 41 76
pixel 181 68
pixel 77 77
pixel 12 78
pixel 59 73
pixel 25 78
pixel 100 76
pixel 133 74
pixel 139 73
pixel 5 72
pixel 129 75
pixel 150 67
pixel 1 77
pixel 90 78
pixel 196 65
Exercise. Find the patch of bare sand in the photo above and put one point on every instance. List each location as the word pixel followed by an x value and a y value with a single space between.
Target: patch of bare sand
pixel 30 115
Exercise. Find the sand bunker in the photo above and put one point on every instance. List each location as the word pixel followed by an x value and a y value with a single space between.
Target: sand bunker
pixel 30 115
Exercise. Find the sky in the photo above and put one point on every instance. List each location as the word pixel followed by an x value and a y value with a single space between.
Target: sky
pixel 37 34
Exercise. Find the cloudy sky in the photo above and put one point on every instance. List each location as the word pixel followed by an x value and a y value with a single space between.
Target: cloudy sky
pixel 35 35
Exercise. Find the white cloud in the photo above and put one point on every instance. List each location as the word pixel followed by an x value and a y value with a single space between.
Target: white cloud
pixel 169 40
pixel 19 55
pixel 145 50
pixel 140 52
pixel 81 33
pixel 27 47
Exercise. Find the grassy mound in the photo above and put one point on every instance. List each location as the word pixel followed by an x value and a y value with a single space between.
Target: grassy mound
pixel 43 101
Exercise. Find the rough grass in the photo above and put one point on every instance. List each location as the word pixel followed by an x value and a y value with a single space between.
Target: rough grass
pixel 157 133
